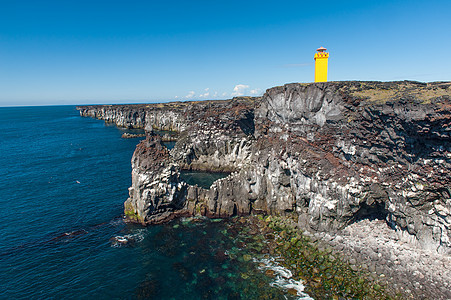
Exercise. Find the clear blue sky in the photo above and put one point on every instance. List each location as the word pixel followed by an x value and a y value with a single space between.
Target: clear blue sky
pixel 79 52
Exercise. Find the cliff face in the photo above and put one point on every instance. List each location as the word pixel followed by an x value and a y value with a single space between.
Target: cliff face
pixel 328 153
pixel 365 149
pixel 137 116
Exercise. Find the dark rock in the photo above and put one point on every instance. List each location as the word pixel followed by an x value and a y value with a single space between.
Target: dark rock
pixel 127 135
pixel 331 153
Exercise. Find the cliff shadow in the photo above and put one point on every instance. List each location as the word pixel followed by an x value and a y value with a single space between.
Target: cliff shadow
pixel 247 124
pixel 202 179
pixel 371 212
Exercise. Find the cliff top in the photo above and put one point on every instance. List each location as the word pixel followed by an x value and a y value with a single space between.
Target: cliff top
pixel 378 92
pixel 176 105
pixel 382 92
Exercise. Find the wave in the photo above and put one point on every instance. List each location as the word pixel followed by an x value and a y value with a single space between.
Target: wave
pixel 128 239
pixel 62 237
pixel 282 277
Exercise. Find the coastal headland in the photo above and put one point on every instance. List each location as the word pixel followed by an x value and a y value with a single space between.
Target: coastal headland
pixel 361 167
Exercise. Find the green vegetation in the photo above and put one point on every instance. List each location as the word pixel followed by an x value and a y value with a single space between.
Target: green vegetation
pixel 326 275
pixel 130 214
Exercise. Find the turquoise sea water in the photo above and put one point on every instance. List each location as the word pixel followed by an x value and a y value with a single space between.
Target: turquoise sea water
pixel 64 179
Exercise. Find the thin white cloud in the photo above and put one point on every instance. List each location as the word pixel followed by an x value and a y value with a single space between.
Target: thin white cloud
pixel 190 95
pixel 208 94
pixel 204 95
pixel 239 89
pixel 255 92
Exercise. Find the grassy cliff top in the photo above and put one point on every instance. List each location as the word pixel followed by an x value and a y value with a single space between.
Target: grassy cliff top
pixel 381 92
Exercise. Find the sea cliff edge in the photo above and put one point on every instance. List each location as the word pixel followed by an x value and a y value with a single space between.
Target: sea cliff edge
pixel 329 155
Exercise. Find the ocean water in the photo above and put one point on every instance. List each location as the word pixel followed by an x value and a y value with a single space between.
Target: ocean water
pixel 64 179
pixel 202 179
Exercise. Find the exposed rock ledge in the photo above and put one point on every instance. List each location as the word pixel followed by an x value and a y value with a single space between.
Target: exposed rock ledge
pixel 331 153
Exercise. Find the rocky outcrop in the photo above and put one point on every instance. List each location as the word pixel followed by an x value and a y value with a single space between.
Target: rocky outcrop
pixel 156 194
pixel 329 153
pixel 127 135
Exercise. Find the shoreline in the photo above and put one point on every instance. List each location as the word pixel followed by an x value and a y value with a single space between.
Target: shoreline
pixel 393 259
pixel 323 155
pixel 390 265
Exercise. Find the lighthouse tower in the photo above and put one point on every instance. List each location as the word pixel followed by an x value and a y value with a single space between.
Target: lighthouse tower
pixel 321 57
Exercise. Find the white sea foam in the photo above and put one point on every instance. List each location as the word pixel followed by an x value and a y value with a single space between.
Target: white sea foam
pixel 127 240
pixel 283 277
pixel 116 221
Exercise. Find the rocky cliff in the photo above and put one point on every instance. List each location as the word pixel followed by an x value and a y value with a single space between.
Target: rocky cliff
pixel 327 154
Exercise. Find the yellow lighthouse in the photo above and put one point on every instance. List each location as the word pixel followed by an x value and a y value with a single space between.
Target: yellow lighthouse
pixel 321 58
